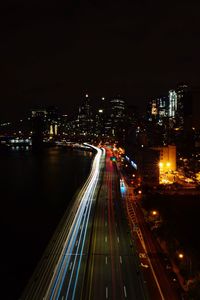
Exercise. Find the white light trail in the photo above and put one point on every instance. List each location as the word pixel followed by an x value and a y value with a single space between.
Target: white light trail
pixel 75 240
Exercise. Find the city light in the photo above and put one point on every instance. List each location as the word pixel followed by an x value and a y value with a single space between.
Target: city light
pixel 154 213
pixel 168 164
pixel 181 255
pixel 100 162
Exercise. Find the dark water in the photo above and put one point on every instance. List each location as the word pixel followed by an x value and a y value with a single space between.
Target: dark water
pixel 35 192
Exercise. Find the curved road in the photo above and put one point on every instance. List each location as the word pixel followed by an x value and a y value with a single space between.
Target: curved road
pixel 59 271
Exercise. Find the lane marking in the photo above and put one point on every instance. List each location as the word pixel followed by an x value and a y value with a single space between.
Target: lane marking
pixel 106 292
pixel 118 239
pixel 106 239
pixel 105 223
pixel 120 258
pixel 76 243
pixel 106 260
pixel 70 267
pixel 125 293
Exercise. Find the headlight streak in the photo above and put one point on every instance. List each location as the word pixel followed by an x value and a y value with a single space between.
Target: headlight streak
pixel 83 242
pixel 81 219
pixel 67 248
pixel 88 196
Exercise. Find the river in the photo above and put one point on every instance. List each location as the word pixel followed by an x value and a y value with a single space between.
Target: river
pixel 35 193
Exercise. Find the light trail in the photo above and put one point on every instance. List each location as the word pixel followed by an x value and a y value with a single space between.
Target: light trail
pixel 75 241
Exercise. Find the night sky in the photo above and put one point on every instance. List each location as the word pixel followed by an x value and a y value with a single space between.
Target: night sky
pixel 52 52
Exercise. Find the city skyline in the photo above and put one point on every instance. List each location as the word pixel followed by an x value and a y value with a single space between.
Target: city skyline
pixel 95 100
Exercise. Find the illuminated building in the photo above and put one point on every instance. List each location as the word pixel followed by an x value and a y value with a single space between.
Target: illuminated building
pixel 184 108
pixel 167 162
pixel 158 121
pixel 45 120
pixel 117 118
pixel 172 103
pixel 173 109
pixel 158 110
pixel 167 159
pixel 117 107
pixel 170 117
pixel 85 118
pixel 180 107
pixel 51 130
pixel 101 118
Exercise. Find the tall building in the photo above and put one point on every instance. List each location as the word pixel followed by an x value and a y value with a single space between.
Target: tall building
pixel 167 160
pixel 180 107
pixel 158 109
pixel 85 118
pixel 117 117
pixel 172 103
pixel 100 118
pixel 158 121
pixel 47 119
pixel 167 163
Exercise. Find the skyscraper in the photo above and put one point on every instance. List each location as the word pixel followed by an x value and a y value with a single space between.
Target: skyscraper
pixel 85 117
pixel 117 106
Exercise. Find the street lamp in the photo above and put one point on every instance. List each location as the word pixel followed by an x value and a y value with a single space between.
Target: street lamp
pixel 181 255
pixel 154 213
pixel 188 261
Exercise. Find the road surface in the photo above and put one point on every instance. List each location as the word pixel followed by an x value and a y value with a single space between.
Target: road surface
pixel 113 271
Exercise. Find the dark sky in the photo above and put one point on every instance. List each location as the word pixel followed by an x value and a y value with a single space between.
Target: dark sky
pixel 53 51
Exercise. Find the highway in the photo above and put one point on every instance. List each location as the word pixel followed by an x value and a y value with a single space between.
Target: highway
pixel 94 254
pixel 113 270
pixel 61 269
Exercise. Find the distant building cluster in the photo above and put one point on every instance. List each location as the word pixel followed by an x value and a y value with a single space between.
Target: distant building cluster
pixel 106 120
pixel 172 118
pixel 174 109
pixel 159 139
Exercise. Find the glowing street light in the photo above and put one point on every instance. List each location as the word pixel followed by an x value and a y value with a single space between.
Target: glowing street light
pixel 154 212
pixel 181 255
pixel 160 165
